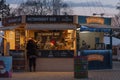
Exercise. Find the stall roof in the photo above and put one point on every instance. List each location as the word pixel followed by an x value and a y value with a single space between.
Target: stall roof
pixel 50 26
pixel 0 23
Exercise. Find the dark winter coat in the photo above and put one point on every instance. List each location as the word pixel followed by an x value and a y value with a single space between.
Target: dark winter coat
pixel 31 48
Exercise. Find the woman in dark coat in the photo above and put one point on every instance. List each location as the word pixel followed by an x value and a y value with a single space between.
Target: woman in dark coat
pixel 31 54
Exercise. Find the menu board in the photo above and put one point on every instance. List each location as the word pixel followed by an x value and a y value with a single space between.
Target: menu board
pixel 18 61
pixel 56 53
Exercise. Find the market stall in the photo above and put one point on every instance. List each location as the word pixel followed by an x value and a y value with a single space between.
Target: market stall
pixel 55 37
pixel 91 42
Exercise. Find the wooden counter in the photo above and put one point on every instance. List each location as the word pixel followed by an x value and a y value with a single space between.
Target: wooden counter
pixel 55 64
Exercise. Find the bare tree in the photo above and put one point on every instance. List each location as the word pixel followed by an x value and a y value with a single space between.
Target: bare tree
pixel 60 7
pixel 66 9
pixel 33 7
pixel 57 4
pixel 40 7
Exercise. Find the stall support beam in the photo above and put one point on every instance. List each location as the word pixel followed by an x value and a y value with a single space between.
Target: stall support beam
pixel 111 39
pixel 26 61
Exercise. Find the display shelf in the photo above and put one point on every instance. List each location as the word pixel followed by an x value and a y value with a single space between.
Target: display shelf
pixel 17 39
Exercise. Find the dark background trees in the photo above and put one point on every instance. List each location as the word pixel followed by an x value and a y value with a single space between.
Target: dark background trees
pixel 4 9
pixel 42 7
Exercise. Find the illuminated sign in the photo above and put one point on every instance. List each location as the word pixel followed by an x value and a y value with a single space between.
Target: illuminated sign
pixel 95 20
pixel 94 57
pixel 49 34
pixel 49 19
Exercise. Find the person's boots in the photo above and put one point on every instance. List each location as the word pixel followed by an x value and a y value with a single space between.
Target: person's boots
pixel 30 69
pixel 34 69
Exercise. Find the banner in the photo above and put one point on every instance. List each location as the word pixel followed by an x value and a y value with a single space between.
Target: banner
pixel 98 59
pixel 94 20
pixel 5 67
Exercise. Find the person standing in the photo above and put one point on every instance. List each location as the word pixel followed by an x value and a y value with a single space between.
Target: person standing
pixel 31 54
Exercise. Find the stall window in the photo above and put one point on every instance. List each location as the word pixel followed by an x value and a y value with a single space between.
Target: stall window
pixel 55 39
pixel 97 39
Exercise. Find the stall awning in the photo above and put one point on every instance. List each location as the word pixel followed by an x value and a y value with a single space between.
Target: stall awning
pixel 50 26
pixel 8 28
pixel 97 28
pixel 85 28
pixel 101 26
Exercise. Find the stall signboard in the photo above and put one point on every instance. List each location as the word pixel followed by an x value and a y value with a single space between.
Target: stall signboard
pixel 5 67
pixel 56 53
pixel 12 21
pixel 94 20
pixel 36 19
pixel 48 19
pixel 98 59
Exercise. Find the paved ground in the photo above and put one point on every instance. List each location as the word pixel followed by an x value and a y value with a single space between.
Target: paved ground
pixel 113 74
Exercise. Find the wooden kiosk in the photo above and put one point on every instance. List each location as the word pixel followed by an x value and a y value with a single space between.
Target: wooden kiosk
pixel 92 32
pixel 55 36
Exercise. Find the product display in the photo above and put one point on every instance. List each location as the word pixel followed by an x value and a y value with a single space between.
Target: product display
pixel 55 40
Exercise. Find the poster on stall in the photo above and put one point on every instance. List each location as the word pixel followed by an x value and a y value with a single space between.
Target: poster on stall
pixel 5 67
pixel 98 59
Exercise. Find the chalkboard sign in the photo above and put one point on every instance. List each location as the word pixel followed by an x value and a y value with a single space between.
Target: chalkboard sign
pixel 18 61
pixel 80 67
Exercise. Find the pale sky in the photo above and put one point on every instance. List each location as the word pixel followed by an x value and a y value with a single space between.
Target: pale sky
pixel 112 2
pixel 90 10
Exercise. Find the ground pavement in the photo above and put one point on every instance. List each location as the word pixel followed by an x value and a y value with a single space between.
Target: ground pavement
pixel 113 74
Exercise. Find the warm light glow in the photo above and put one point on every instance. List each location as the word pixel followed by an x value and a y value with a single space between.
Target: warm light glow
pixel 78 28
pixel 11 32
pixel 70 31
pixel 1 32
pixel 85 32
